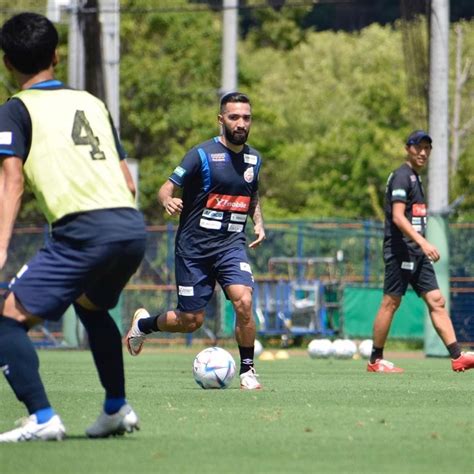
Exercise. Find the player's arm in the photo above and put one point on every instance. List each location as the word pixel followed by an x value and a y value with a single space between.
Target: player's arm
pixel 400 220
pixel 128 177
pixel 11 191
pixel 255 212
pixel 172 205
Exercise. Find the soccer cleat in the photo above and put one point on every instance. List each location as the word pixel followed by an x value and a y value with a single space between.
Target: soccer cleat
pixel 464 362
pixel 249 381
pixel 31 430
pixel 382 365
pixel 125 420
pixel 135 338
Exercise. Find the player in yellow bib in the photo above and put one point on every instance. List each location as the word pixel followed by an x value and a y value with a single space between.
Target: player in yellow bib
pixel 63 142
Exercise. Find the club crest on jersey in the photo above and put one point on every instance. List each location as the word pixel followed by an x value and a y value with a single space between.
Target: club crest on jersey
pixel 226 202
pixel 250 159
pixel 249 174
pixel 218 156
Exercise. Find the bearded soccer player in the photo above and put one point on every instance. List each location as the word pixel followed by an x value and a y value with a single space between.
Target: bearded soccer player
pixel 219 181
pixel 63 143
pixel 409 258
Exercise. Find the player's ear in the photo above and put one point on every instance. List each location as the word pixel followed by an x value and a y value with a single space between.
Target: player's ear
pixel 55 60
pixel 7 63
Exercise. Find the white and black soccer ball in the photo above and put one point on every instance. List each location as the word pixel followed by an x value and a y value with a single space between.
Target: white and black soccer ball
pixel 344 348
pixel 365 348
pixel 258 348
pixel 320 349
pixel 214 367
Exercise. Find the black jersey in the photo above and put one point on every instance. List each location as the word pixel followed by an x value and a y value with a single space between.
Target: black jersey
pixel 218 185
pixel 404 185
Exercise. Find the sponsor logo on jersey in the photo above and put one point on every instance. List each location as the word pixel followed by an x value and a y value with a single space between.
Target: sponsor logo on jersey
pixel 399 193
pixel 419 210
pixel 213 214
pixel 238 217
pixel 408 265
pixel 249 174
pixel 250 159
pixel 185 290
pixel 180 171
pixel 235 227
pixel 6 138
pixel 215 225
pixel 218 156
pixel 413 178
pixel 225 202
pixel 245 267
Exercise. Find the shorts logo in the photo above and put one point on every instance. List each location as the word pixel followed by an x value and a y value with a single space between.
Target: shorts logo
pixel 179 171
pixel 185 290
pixel 250 159
pixel 5 369
pixel 408 265
pixel 213 214
pixel 218 156
pixel 245 267
pixel 5 138
pixel 225 202
pixel 22 270
pixel 399 193
pixel 238 217
pixel 215 225
pixel 419 210
pixel 249 174
pixel 235 227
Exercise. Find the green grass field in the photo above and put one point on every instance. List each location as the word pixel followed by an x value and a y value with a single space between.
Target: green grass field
pixel 312 416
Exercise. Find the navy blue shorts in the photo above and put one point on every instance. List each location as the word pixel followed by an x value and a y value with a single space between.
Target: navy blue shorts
pixel 414 270
pixel 196 277
pixel 59 273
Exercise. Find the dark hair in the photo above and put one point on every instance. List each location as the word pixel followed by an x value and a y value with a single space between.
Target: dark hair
pixel 29 41
pixel 233 97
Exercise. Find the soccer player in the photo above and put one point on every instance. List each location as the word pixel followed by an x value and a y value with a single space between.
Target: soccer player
pixel 63 143
pixel 409 258
pixel 219 181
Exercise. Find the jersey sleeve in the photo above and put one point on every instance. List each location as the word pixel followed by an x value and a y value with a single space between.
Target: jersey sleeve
pixel 15 129
pixel 399 188
pixel 189 166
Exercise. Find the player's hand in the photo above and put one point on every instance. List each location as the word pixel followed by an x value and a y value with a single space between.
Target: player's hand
pixel 260 233
pixel 173 206
pixel 430 251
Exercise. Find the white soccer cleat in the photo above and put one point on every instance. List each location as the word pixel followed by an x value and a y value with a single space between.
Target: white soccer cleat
pixel 125 420
pixel 249 381
pixel 31 430
pixel 135 338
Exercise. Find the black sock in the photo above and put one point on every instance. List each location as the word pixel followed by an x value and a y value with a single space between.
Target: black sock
pixel 105 343
pixel 454 350
pixel 148 325
pixel 246 358
pixel 20 364
pixel 377 353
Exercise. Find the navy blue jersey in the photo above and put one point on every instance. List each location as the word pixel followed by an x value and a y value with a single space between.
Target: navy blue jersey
pixel 404 185
pixel 94 227
pixel 218 185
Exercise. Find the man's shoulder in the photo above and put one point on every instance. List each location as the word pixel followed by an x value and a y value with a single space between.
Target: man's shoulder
pixel 12 106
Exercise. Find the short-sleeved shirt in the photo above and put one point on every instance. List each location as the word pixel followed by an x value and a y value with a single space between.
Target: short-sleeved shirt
pixel 404 185
pixel 218 186
pixel 95 226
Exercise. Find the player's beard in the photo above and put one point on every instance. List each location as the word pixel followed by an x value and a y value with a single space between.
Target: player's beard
pixel 236 137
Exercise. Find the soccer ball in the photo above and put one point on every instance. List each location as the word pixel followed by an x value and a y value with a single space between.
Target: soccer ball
pixel 365 348
pixel 214 367
pixel 258 348
pixel 344 348
pixel 320 349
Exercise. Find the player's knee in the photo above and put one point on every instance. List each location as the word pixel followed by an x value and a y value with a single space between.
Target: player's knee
pixel 243 305
pixel 191 322
pixel 437 301
pixel 391 303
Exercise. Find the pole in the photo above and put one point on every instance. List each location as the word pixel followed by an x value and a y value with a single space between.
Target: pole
pixel 438 172
pixel 229 46
pixel 76 57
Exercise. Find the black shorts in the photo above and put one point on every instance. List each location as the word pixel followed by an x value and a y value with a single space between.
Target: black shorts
pixel 416 270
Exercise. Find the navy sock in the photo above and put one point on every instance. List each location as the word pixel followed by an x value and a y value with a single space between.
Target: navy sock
pixel 246 358
pixel 148 325
pixel 105 343
pixel 454 350
pixel 44 415
pixel 20 365
pixel 113 405
pixel 377 353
